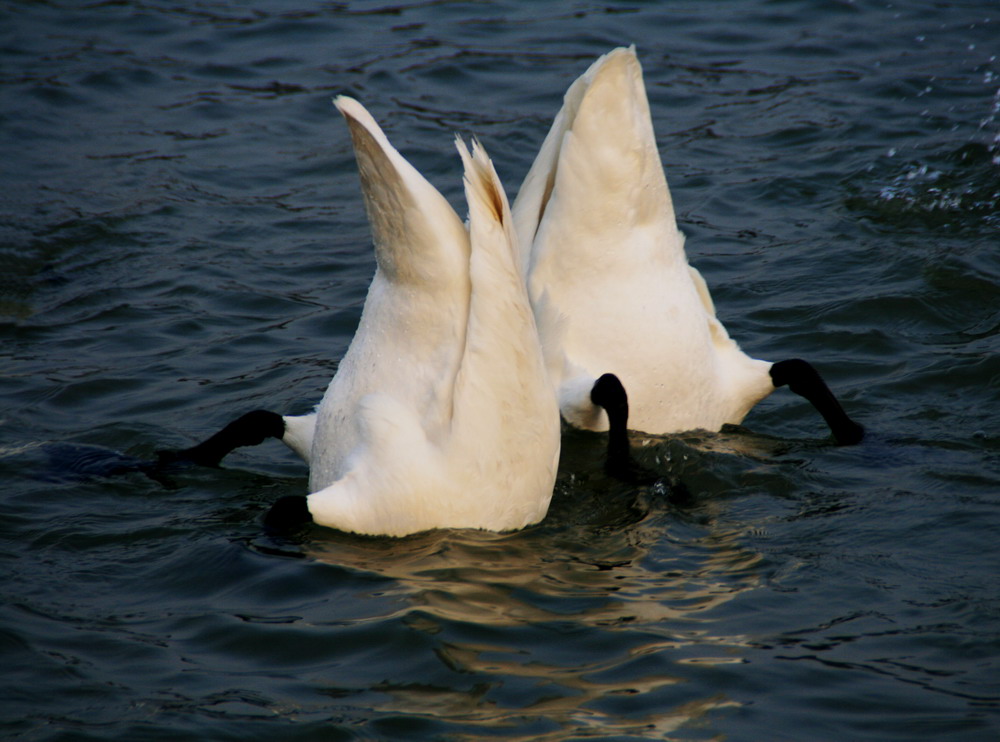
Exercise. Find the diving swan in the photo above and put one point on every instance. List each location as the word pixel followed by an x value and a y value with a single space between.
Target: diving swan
pixel 440 413
pixel 610 284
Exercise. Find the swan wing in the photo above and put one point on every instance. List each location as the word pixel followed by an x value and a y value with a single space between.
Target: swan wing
pixel 418 236
pixel 412 330
pixel 299 433
pixel 506 420
pixel 598 173
pixel 607 261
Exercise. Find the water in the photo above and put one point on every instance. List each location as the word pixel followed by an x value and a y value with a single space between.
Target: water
pixel 182 240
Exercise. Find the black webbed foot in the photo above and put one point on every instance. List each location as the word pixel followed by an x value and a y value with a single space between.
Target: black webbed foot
pixel 805 381
pixel 251 429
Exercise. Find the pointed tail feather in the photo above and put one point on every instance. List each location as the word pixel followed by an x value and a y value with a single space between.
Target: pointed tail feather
pixel 599 173
pixel 417 234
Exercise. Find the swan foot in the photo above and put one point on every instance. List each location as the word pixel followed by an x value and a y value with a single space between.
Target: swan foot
pixel 251 429
pixel 805 381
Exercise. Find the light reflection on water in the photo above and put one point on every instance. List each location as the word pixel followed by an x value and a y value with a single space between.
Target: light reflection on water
pixel 557 623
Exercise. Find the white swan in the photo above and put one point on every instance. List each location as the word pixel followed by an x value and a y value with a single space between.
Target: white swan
pixel 610 283
pixel 440 413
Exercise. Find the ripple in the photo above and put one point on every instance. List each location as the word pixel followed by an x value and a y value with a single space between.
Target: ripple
pixel 183 239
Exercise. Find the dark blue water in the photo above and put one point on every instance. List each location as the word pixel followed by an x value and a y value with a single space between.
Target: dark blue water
pixel 182 239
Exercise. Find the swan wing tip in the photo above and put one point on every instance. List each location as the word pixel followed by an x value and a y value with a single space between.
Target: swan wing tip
pixel 347 105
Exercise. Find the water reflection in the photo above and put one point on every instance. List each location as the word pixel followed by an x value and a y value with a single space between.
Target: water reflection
pixel 596 620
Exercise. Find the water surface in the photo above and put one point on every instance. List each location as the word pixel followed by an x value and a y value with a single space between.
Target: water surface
pixel 182 239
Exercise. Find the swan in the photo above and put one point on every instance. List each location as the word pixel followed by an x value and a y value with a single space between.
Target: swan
pixel 440 413
pixel 610 284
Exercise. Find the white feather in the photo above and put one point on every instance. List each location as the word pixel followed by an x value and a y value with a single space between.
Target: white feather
pixel 607 273
pixel 441 413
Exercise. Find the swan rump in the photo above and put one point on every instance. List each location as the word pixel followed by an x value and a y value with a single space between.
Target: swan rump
pixel 440 414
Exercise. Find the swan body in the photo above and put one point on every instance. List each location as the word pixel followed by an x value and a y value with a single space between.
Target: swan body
pixel 579 300
pixel 608 277
pixel 440 414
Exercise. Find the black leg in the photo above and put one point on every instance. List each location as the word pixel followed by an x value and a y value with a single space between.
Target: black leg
pixel 609 394
pixel 805 381
pixel 251 429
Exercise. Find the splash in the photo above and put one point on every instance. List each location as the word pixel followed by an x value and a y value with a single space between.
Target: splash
pixel 942 185
pixel 959 189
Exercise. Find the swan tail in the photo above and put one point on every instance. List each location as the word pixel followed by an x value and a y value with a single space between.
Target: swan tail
pixel 502 340
pixel 503 375
pixel 536 188
pixel 597 191
pixel 502 337
pixel 412 329
pixel 494 253
pixel 418 236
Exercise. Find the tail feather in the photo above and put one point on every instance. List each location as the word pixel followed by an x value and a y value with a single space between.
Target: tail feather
pixel 590 188
pixel 417 234
pixel 503 377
